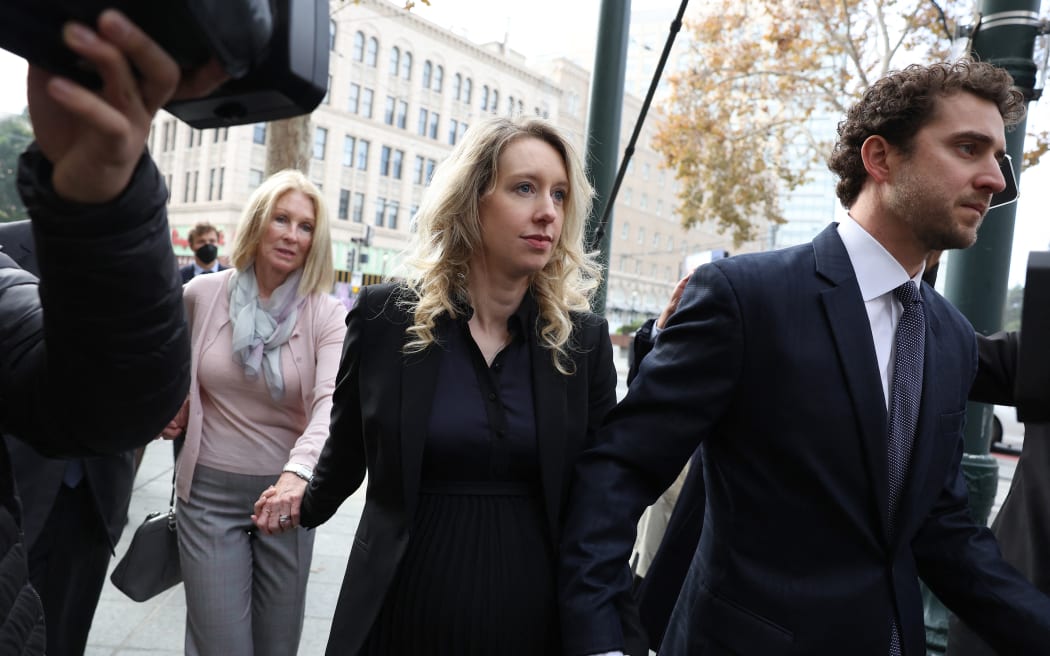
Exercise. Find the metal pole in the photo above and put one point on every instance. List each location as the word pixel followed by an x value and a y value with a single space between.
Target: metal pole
pixel 604 115
pixel 977 277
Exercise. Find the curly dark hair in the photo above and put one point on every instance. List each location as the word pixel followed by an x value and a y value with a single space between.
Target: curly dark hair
pixel 900 104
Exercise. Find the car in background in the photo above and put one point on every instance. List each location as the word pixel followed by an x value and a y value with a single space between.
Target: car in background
pixel 1007 432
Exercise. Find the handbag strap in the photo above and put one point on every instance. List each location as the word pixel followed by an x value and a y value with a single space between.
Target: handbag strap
pixel 171 502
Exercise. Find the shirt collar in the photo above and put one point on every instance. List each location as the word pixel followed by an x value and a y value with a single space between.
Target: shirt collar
pixel 877 271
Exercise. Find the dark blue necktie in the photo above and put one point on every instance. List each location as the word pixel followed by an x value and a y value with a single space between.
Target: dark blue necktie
pixel 905 397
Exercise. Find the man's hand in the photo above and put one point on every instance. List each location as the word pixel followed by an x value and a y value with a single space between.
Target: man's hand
pixel 94 140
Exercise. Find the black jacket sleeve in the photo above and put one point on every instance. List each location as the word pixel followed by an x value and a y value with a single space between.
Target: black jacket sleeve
pixel 95 359
pixel 996 368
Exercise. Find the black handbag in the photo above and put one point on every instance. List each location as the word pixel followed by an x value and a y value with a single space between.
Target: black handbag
pixel 151 564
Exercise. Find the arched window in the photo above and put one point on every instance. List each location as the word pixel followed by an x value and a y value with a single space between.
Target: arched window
pixel 494 105
pixel 428 70
pixel 457 86
pixel 468 90
pixel 406 65
pixel 510 105
pixel 331 34
pixel 484 97
pixel 359 46
pixel 439 78
pixel 372 54
pixel 395 60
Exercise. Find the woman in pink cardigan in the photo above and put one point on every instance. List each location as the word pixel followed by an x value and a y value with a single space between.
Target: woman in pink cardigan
pixel 266 339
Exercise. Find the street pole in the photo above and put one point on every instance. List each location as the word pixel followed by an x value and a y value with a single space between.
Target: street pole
pixel 604 115
pixel 977 277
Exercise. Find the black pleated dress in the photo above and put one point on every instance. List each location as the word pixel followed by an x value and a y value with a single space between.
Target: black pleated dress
pixel 478 575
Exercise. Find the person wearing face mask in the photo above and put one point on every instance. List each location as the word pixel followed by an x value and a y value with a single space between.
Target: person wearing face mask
pixel 204 242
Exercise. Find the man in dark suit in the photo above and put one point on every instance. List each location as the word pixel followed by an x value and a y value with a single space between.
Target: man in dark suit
pixel 204 242
pixel 74 511
pixel 827 388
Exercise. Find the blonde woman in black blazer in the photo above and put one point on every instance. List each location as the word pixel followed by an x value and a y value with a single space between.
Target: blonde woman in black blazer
pixel 466 394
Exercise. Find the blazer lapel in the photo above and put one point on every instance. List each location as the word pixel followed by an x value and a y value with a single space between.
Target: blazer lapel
pixel 549 397
pixel 419 374
pixel 851 332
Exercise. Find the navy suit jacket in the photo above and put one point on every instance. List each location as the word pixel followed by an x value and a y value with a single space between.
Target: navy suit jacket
pixel 187 271
pixel 769 365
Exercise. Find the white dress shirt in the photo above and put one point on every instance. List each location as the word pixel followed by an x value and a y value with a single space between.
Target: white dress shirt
pixel 878 274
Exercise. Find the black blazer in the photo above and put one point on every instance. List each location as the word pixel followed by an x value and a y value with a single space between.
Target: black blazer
pixel 38 478
pixel 769 364
pixel 379 424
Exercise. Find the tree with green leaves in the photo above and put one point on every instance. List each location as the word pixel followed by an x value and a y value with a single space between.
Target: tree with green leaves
pixel 15 135
pixel 740 122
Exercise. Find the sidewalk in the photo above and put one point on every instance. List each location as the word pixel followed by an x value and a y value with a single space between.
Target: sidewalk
pixel 124 627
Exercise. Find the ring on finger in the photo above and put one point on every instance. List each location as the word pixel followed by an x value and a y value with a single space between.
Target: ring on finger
pixel 284 519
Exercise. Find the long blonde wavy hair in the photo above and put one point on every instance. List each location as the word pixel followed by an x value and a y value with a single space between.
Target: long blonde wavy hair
pixel 448 232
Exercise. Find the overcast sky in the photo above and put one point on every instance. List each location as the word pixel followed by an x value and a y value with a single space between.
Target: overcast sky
pixel 543 28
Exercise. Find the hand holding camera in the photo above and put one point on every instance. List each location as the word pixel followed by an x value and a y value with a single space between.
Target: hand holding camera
pixel 94 140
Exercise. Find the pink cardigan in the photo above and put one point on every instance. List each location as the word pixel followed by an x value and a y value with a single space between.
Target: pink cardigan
pixel 316 346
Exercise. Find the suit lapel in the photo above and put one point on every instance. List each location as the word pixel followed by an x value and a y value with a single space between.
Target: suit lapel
pixel 851 332
pixel 549 397
pixel 419 374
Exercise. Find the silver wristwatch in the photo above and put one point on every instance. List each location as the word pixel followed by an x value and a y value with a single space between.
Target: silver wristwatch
pixel 302 471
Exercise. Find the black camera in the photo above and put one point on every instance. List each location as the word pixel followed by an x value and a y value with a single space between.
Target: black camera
pixel 276 50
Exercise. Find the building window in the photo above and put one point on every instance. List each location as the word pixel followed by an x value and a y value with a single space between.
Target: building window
pixel 457 86
pixel 453 127
pixel 367 96
pixel 349 143
pixel 397 162
pixel 406 65
pixel 259 133
pixel 362 154
pixel 344 204
pixel 484 98
pixel 417 170
pixel 424 116
pixel 359 207
pixel 391 214
pixel 462 129
pixel 494 105
pixel 431 165
pixel 355 98
pixel 402 114
pixel 359 47
pixel 388 110
pixel 211 184
pixel 510 105
pixel 641 235
pixel 624 230
pixel 331 34
pixel 656 240
pixel 384 161
pixel 439 78
pixel 222 178
pixel 372 52
pixel 468 90
pixel 434 117
pixel 380 211
pixel 395 61
pixel 328 92
pixel 320 139
pixel 428 72
pixel 255 178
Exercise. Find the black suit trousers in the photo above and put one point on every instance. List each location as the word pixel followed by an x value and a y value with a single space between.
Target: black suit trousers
pixel 67 566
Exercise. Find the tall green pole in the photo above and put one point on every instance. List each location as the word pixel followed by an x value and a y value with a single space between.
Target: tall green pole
pixel 604 115
pixel 977 277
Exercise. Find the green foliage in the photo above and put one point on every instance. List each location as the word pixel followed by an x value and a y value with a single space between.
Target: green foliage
pixel 15 135
pixel 630 328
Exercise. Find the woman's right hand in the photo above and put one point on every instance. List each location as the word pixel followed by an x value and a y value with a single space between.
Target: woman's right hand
pixel 177 426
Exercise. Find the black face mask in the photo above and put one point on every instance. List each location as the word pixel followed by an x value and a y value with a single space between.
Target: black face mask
pixel 207 253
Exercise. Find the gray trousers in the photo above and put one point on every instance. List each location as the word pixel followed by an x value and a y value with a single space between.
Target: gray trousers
pixel 245 592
